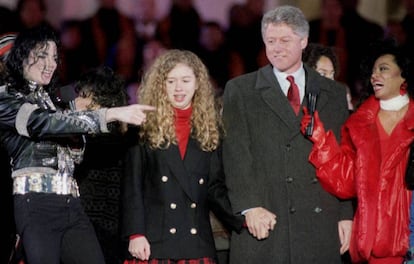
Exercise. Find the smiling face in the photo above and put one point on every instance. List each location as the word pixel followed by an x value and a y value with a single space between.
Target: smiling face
pixel 180 86
pixel 284 47
pixel 386 77
pixel 41 63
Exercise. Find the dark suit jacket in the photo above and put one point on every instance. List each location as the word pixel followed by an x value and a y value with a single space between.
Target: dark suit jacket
pixel 266 164
pixel 168 200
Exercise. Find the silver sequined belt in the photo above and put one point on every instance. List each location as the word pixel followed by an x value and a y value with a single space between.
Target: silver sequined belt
pixel 45 183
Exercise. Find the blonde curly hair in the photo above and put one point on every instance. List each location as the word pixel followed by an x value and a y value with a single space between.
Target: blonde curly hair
pixel 159 129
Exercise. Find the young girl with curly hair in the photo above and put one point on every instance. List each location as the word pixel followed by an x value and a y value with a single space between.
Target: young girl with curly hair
pixel 174 177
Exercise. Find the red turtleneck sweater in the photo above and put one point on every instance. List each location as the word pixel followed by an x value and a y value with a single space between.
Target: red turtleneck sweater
pixel 183 128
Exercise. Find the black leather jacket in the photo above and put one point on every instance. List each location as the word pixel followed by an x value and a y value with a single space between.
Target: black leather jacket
pixel 31 135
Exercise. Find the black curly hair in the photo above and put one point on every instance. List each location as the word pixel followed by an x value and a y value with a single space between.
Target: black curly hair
pixel 26 41
pixel 105 88
pixel 391 47
pixel 314 51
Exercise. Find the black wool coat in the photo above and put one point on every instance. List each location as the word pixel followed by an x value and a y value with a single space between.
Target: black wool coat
pixel 168 200
pixel 266 164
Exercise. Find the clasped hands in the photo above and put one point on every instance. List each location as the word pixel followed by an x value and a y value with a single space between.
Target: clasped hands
pixel 260 222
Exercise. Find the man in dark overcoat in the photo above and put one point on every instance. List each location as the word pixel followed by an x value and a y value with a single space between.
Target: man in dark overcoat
pixel 290 217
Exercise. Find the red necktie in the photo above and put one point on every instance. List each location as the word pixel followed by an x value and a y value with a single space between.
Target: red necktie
pixel 293 94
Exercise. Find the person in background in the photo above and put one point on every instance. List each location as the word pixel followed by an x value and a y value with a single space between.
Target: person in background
pixel 108 27
pixel 38 139
pixel 324 60
pixel 328 30
pixel 174 177
pixel 99 174
pixel 370 162
pixel 150 51
pixel 146 20
pixel 265 156
pixel 180 27
pixel 359 34
pixel 77 55
pixel 244 23
pixel 222 62
pixel 30 14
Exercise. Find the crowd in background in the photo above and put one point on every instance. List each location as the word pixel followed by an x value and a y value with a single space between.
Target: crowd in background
pixel 128 44
pixel 125 44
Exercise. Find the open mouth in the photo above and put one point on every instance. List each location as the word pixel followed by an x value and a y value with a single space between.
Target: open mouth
pixel 377 86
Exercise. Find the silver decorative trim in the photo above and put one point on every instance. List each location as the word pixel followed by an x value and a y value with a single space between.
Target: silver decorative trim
pixel 29 170
pixel 22 118
pixel 102 120
pixel 45 183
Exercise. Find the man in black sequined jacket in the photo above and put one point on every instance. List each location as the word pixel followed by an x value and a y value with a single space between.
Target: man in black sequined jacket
pixel 39 139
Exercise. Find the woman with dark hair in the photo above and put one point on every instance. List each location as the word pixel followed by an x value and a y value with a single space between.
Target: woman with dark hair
pixel 370 162
pixel 38 139
pixel 324 60
pixel 100 173
pixel 314 53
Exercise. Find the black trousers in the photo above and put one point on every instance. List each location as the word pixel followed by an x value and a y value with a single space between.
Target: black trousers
pixel 55 229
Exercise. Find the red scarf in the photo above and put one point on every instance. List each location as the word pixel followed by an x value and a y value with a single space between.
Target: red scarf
pixel 183 128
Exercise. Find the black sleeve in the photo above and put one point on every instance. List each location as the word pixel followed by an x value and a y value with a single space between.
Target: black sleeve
pixel 219 201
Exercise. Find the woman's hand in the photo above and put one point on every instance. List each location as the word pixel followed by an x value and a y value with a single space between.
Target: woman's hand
pixel 139 248
pixel 318 134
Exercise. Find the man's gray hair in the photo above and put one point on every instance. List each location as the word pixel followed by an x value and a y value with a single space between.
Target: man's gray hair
pixel 289 15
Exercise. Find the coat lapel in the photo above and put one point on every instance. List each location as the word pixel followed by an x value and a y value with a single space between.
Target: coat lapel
pixel 276 100
pixel 193 155
pixel 181 169
pixel 192 160
pixel 313 78
pixel 177 169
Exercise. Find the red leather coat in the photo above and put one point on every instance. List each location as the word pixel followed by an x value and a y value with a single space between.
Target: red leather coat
pixel 356 169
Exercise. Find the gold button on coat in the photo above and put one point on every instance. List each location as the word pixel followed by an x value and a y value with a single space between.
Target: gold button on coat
pixel 173 205
pixel 193 231
pixel 318 210
pixel 164 178
pixel 173 230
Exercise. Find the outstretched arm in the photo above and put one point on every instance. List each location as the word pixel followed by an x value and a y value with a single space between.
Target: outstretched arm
pixel 132 114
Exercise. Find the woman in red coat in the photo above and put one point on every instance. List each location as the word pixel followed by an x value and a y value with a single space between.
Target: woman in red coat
pixel 371 160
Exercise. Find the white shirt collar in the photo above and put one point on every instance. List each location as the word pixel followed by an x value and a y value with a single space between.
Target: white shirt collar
pixel 299 76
